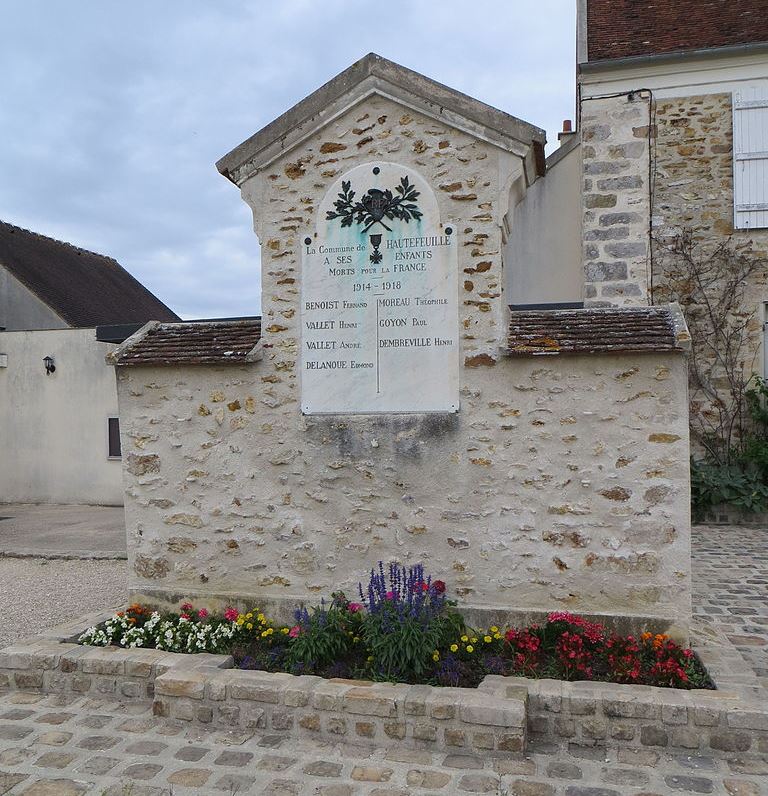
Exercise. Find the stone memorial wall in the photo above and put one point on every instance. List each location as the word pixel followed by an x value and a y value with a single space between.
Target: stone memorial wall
pixel 379 298
pixel 379 416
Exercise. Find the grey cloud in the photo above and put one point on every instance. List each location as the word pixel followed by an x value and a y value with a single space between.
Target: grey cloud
pixel 113 114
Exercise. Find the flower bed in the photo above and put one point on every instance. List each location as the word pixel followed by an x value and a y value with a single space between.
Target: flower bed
pixel 404 629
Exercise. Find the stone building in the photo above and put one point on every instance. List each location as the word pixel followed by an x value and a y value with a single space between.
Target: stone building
pixel 673 107
pixel 59 420
pixel 667 169
pixel 389 404
pixel 661 90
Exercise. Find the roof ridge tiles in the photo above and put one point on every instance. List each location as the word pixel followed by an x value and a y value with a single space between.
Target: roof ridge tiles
pixel 61 242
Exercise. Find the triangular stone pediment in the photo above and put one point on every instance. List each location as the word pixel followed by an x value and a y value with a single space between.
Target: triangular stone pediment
pixel 374 75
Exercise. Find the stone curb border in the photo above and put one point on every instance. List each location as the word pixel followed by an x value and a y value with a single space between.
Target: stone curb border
pixel 206 689
pixel 497 718
pixel 65 555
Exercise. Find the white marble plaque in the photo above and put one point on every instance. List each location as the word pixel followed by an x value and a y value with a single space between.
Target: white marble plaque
pixel 379 298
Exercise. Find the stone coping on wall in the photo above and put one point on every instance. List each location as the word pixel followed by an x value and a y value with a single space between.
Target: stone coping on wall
pixel 593 330
pixel 282 608
pixel 497 718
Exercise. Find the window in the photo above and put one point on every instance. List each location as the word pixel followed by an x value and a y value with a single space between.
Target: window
pixel 750 158
pixel 113 433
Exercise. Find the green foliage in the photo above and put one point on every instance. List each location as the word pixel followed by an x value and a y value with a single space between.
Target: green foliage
pixel 757 403
pixel 743 483
pixel 402 646
pixel 412 636
pixel 323 636
pixel 736 485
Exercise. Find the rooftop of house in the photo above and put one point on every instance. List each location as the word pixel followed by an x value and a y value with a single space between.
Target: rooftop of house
pixel 83 288
pixel 630 28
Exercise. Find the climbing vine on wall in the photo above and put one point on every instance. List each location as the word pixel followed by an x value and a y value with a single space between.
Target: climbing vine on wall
pixel 728 420
pixel 711 284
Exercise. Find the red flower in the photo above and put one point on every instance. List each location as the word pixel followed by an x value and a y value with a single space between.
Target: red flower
pixel 438 586
pixel 186 607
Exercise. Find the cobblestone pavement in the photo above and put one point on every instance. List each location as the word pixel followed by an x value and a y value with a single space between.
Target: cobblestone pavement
pixel 63 746
pixel 730 588
pixel 60 746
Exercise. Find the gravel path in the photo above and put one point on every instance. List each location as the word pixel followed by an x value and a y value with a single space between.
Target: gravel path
pixel 35 594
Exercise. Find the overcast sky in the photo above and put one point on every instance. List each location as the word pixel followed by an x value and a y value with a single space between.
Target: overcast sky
pixel 112 114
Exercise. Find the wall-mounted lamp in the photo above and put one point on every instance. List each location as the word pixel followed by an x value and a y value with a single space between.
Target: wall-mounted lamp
pixel 50 366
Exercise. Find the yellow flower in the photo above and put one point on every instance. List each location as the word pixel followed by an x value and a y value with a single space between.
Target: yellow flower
pixel 355 639
pixel 260 617
pixel 494 629
pixel 264 634
pixel 436 656
pixel 249 626
pixel 285 630
pixel 249 615
pixel 370 658
pixel 465 639
pixel 474 640
pixel 497 636
pixel 454 647
pixel 470 648
pixel 240 620
pixel 487 639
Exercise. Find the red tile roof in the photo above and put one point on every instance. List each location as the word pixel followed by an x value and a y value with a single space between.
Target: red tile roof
pixel 625 28
pixel 192 343
pixel 83 288
pixel 593 331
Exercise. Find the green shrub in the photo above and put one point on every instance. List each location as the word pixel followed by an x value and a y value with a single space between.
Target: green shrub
pixel 322 636
pixel 735 484
pixel 406 621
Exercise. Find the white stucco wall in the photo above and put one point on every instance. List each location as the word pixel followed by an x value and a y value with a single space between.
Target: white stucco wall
pixel 53 428
pixel 543 249
pixel 22 309
pixel 702 73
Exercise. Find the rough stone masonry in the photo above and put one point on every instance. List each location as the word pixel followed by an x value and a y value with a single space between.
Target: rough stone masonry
pixel 561 483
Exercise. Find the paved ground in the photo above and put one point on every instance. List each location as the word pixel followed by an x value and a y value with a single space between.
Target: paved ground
pixel 50 746
pixel 37 593
pixel 87 531
pixel 730 577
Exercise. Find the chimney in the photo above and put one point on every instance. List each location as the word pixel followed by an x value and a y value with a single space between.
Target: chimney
pixel 567 131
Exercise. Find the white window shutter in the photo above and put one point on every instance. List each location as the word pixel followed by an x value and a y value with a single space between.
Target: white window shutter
pixel 750 158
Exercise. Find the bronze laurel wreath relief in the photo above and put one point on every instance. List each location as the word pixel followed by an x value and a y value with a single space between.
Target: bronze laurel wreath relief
pixel 374 206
